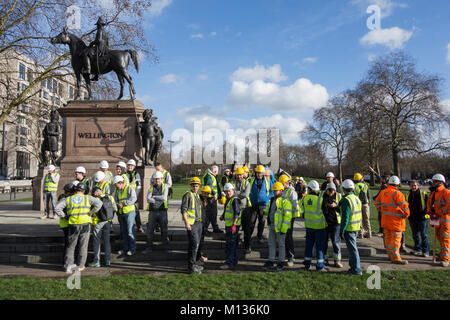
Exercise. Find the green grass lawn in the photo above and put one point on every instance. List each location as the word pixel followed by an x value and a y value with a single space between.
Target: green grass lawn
pixel 289 285
pixel 22 199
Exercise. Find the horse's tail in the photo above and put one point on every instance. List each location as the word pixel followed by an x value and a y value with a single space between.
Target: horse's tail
pixel 133 54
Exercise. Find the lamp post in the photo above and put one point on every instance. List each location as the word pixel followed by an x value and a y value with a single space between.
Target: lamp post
pixel 170 156
pixel 3 150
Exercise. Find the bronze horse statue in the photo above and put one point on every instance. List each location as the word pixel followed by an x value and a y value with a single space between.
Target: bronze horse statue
pixel 113 60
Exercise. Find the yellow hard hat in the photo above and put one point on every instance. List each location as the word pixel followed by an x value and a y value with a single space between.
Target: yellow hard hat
pixel 239 170
pixel 195 180
pixel 222 200
pixel 261 169
pixel 277 186
pixel 246 169
pixel 206 189
pixel 284 178
pixel 296 178
pixel 358 176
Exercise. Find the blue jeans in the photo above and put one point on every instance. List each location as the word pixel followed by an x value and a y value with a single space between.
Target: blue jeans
pixel 353 254
pixel 231 247
pixel 102 229
pixel 333 234
pixel 126 221
pixel 315 238
pixel 419 229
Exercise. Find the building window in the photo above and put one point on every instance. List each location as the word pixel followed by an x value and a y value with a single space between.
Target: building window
pixel 23 164
pixel 21 71
pixel 29 75
pixel 43 82
pixel 70 92
pixel 61 90
pixel 24 132
pixel 57 101
pixel 24 86
pixel 55 86
pixel 23 142
pixel 21 120
pixel 49 84
pixel 45 95
pixel 24 109
pixel 42 124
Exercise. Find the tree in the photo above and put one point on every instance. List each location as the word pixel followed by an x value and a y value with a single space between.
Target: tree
pixel 25 27
pixel 331 128
pixel 409 104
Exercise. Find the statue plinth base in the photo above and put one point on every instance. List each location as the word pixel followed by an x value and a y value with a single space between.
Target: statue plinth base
pixel 98 130
pixel 38 190
pixel 146 174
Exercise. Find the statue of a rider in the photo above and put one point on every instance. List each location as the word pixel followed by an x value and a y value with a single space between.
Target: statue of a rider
pixel 97 48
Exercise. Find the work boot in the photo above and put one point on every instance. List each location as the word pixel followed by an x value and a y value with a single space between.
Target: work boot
pixel 444 263
pixel 290 263
pixel 400 262
pixel 338 264
pixel 248 250
pixel 416 253
pixel 217 231
pixel 203 259
pixel 94 265
pixel 268 264
pixel 157 229
pixel 322 270
pixel 141 230
pixel 44 216
pixel 81 268
pixel 279 267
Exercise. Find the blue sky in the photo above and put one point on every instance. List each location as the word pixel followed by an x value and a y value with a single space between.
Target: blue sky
pixel 274 62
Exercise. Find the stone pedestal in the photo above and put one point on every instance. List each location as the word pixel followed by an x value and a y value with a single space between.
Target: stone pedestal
pixel 146 175
pixel 99 130
pixel 38 190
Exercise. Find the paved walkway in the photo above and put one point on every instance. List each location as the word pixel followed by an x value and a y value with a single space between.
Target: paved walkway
pixel 17 219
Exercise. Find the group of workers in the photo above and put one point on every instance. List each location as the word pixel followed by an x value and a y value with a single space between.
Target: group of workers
pixel 333 211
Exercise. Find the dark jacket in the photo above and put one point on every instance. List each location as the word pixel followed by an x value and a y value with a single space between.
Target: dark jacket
pixel 330 213
pixel 417 212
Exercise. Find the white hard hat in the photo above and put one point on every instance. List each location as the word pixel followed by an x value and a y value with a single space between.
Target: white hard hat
pixel 348 184
pixel 314 185
pixel 51 168
pixel 80 169
pixel 394 180
pixel 157 174
pixel 438 177
pixel 117 179
pixel 331 185
pixel 330 175
pixel 132 162
pixel 104 164
pixel 226 170
pixel 228 186
pixel 75 182
pixel 121 164
pixel 301 179
pixel 99 176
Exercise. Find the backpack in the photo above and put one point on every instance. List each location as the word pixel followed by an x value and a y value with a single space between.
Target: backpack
pixel 106 212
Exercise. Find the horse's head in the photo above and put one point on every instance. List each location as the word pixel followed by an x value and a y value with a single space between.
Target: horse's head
pixel 62 38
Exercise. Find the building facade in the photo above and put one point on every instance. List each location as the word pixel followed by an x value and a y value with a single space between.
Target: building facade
pixel 21 133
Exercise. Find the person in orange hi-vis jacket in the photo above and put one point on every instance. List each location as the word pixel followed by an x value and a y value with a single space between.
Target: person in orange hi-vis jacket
pixel 394 210
pixel 438 207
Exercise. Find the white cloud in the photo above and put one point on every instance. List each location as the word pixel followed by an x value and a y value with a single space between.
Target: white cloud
pixel 213 34
pixel 170 78
pixel 158 6
pixel 448 53
pixel 197 36
pixel 259 72
pixel 371 57
pixel 387 6
pixel 302 95
pixel 394 37
pixel 202 77
pixel 208 122
pixel 310 60
pixel 193 26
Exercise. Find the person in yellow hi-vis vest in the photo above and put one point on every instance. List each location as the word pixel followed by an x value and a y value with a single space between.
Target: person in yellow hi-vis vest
pixel 79 208
pixel 315 223
pixel 330 208
pixel 51 181
pixel 279 216
pixel 290 194
pixel 242 191
pixel 63 222
pixel 232 217
pixel 191 210
pixel 125 198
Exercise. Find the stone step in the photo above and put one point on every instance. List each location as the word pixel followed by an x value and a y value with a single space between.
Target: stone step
pixel 158 255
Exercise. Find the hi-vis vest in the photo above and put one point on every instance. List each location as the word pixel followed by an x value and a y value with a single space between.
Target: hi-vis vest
pixel 283 214
pixel 311 208
pixel 266 180
pixel 190 212
pixel 63 223
pixel 150 190
pixel 214 184
pixel 229 213
pixel 296 211
pixel 361 187
pixel 422 198
pixel 338 199
pixel 123 196
pixel 245 183
pixel 49 185
pixel 102 186
pixel 354 222
pixel 132 182
pixel 78 209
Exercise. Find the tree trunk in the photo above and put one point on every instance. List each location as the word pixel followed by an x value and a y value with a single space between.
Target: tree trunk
pixel 395 162
pixel 340 170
